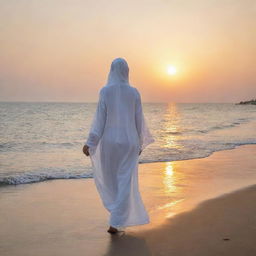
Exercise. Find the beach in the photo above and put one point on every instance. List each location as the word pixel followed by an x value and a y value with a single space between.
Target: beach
pixel 197 207
pixel 144 108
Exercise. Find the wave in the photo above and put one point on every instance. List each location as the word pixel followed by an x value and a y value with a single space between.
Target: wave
pixel 202 154
pixel 7 145
pixel 174 133
pixel 225 126
pixel 25 146
pixel 65 144
pixel 31 177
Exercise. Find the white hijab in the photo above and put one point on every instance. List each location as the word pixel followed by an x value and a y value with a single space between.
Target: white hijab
pixel 119 73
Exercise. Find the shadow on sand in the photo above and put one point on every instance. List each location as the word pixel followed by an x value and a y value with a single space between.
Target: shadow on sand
pixel 126 244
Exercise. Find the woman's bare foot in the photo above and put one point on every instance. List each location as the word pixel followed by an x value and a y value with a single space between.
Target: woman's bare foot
pixel 112 230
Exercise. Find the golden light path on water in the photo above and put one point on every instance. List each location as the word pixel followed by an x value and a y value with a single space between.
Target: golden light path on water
pixel 172 126
pixel 171 176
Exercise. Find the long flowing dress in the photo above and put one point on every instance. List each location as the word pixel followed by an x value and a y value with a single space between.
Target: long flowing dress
pixel 117 134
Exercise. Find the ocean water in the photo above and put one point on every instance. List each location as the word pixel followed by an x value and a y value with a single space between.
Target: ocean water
pixel 42 141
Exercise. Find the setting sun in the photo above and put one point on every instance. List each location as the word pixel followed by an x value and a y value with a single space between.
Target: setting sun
pixel 171 70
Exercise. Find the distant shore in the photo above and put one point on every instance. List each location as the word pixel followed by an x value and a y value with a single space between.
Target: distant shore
pixel 252 102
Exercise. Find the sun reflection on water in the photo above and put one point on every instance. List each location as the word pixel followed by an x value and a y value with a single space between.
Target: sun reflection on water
pixel 169 169
pixel 172 126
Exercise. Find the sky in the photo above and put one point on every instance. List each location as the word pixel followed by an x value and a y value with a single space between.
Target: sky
pixel 61 50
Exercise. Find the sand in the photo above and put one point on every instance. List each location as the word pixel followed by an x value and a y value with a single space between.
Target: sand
pixel 225 226
pixel 222 226
pixel 193 205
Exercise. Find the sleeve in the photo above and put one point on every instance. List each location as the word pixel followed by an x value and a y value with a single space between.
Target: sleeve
pixel 138 118
pixel 144 134
pixel 98 123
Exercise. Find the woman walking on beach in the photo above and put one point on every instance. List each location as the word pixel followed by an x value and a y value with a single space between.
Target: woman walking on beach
pixel 118 135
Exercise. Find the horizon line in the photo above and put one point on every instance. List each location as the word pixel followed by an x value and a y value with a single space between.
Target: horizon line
pixel 205 102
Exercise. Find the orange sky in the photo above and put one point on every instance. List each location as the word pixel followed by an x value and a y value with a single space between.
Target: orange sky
pixel 60 50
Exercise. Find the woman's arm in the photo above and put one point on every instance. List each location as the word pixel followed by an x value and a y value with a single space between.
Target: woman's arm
pixel 139 119
pixel 97 126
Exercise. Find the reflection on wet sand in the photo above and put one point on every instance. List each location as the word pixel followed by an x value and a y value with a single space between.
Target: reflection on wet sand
pixel 171 177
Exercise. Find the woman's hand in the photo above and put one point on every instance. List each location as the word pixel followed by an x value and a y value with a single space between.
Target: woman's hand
pixel 86 150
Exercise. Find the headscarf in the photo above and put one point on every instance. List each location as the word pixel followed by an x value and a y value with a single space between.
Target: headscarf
pixel 119 73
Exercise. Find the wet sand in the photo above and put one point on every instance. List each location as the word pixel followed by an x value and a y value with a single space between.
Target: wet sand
pixel 222 226
pixel 193 206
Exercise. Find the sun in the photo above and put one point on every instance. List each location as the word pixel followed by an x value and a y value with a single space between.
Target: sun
pixel 171 70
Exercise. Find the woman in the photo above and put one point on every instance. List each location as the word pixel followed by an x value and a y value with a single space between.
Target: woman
pixel 118 135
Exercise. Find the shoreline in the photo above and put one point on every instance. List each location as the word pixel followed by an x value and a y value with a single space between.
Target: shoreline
pixel 3 184
pixel 66 217
pixel 187 159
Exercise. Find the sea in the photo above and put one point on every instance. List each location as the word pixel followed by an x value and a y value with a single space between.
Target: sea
pixel 42 141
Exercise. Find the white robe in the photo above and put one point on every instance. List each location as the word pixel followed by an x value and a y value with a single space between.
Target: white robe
pixel 118 133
